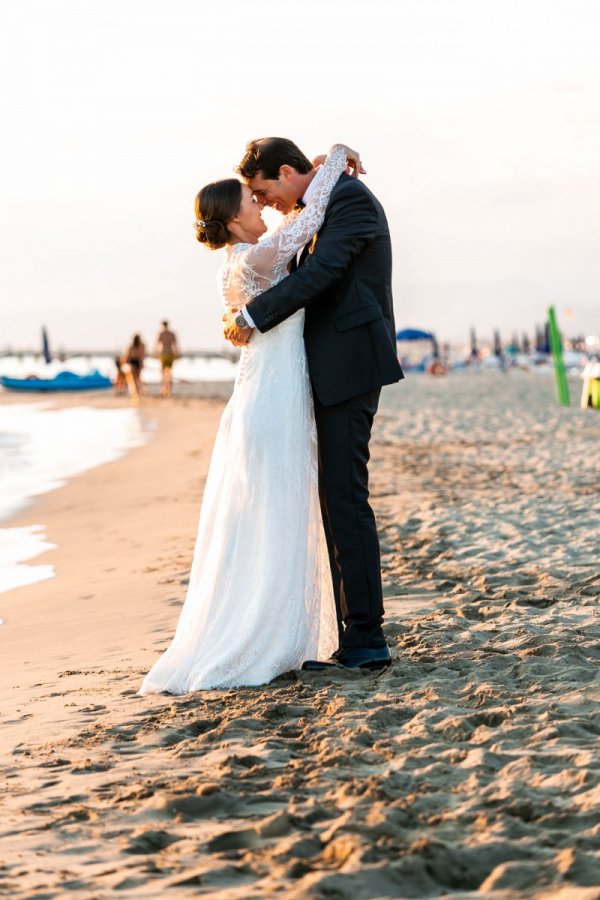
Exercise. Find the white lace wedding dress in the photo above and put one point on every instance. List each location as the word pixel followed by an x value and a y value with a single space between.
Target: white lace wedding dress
pixel 260 599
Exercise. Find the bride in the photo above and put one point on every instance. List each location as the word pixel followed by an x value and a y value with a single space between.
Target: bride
pixel 260 599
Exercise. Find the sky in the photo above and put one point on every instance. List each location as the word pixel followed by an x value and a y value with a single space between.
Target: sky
pixel 478 123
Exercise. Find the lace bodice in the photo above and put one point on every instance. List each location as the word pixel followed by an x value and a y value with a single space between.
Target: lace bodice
pixel 251 269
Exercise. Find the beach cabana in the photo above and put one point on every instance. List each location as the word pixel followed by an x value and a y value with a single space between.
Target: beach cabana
pixel 414 336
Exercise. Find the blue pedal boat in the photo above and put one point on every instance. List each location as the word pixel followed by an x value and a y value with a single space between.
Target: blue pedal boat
pixel 64 381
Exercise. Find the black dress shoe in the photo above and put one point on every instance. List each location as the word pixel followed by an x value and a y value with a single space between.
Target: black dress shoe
pixel 353 658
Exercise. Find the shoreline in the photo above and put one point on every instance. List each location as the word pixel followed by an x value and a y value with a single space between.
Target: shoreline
pixel 97 520
pixel 45 443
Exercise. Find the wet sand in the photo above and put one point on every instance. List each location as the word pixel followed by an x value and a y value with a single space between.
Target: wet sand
pixel 470 768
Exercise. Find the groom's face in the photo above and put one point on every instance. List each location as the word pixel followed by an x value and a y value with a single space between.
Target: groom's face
pixel 281 193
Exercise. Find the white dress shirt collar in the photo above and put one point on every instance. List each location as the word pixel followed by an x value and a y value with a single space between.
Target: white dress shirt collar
pixel 309 190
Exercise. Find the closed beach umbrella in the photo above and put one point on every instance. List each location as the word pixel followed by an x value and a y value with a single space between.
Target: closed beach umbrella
pixel 474 347
pixel 46 346
pixel 497 344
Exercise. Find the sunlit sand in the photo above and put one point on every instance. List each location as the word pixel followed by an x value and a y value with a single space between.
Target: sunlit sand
pixel 468 768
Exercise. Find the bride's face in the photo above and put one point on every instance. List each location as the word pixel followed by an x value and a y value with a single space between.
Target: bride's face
pixel 248 220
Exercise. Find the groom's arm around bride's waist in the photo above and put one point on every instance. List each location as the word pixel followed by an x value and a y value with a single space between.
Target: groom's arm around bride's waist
pixel 352 221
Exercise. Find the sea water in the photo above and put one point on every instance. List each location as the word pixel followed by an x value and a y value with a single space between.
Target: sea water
pixel 41 448
pixel 187 370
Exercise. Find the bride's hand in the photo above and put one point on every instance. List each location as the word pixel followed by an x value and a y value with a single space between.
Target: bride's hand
pixel 355 165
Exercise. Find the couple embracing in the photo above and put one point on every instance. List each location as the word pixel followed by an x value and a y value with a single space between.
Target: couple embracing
pixel 286 570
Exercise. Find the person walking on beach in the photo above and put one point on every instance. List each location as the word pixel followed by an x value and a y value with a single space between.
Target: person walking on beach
pixel 134 357
pixel 166 349
pixel 260 599
pixel 120 377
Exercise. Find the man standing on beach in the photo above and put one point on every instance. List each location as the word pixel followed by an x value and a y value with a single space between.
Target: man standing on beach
pixel 167 351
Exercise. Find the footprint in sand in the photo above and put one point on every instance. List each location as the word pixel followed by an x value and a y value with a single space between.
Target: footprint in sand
pixel 150 841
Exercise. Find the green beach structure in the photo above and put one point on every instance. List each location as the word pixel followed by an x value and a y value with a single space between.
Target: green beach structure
pixel 562 387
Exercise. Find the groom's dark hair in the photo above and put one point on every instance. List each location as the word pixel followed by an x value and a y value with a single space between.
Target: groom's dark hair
pixel 267 155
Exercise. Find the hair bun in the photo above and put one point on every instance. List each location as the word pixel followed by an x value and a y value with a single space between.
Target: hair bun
pixel 213 233
pixel 215 205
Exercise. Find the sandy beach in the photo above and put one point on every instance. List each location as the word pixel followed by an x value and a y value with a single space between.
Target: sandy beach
pixel 469 768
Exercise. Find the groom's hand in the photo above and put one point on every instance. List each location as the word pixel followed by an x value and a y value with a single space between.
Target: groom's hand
pixel 231 332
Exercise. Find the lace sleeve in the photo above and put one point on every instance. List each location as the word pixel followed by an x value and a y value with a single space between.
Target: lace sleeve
pixel 271 255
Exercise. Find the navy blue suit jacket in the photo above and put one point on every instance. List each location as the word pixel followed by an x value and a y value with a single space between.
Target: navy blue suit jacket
pixel 345 283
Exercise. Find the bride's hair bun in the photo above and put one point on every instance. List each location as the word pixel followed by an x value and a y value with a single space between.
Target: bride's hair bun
pixel 212 233
pixel 216 205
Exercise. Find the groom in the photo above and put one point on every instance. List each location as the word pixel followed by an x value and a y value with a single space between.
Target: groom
pixel 343 279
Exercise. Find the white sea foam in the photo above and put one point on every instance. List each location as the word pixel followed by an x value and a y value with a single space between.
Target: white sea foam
pixel 40 449
pixel 17 545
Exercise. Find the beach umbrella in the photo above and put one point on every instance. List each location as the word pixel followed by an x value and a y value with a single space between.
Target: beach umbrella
pixel 542 340
pixel 46 346
pixel 539 339
pixel 546 338
pixel 474 348
pixel 497 344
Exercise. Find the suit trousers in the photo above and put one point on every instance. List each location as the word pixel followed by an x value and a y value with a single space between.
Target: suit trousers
pixel 344 431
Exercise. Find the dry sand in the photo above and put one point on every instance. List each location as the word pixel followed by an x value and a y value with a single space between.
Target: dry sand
pixel 470 768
